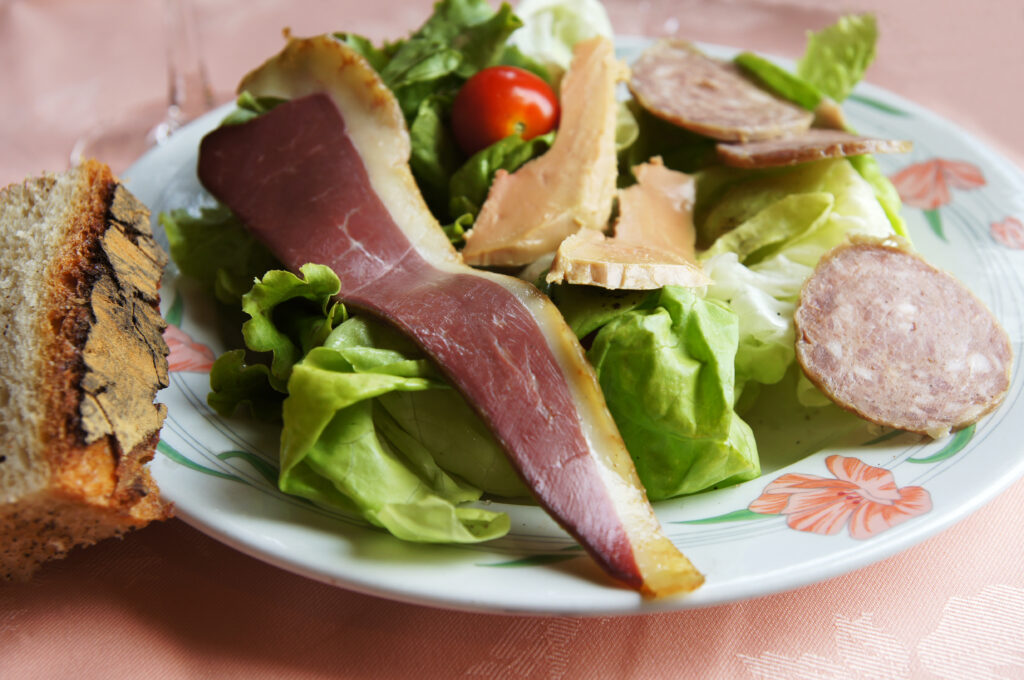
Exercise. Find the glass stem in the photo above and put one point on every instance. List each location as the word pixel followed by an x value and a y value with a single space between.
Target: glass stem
pixel 189 93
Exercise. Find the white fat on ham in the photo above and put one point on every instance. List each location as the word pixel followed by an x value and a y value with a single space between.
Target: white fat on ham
pixel 654 242
pixel 571 187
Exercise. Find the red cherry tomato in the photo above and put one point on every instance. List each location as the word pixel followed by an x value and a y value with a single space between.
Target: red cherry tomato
pixel 498 101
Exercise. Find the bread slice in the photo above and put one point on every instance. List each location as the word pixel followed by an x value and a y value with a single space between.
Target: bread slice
pixel 81 359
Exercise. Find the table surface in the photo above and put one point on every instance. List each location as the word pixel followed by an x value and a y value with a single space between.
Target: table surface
pixel 170 602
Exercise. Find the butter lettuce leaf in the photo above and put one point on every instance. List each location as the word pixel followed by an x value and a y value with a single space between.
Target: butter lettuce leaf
pixel 855 209
pixel 837 56
pixel 551 28
pixel 885 192
pixel 439 419
pixel 771 230
pixel 666 369
pixel 335 453
pixel 369 425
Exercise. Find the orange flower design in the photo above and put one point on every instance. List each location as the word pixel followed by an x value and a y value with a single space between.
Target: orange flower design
pixel 186 355
pixel 926 185
pixel 863 497
pixel 1009 232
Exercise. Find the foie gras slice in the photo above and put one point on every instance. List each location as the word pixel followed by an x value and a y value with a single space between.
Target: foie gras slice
pixel 654 241
pixel 571 187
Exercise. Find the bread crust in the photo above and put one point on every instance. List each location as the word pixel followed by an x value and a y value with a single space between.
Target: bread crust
pixel 98 485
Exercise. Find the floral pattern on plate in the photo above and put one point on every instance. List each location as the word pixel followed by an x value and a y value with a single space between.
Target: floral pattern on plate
pixel 862 497
pixel 926 185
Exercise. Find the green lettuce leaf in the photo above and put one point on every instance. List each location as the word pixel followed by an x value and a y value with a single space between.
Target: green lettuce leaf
pixel 779 80
pixel 240 388
pixel 840 53
pixel 855 210
pixel 248 107
pixel 551 28
pixel 787 431
pixel 425 72
pixel 587 308
pixel 215 249
pixel 768 230
pixel 885 192
pixel 457 228
pixel 678 148
pixel 439 420
pixel 469 185
pixel 435 155
pixel 443 423
pixel 774 228
pixel 666 369
pixel 837 56
pixel 339 450
pixel 378 57
pixel 289 316
pixel 513 56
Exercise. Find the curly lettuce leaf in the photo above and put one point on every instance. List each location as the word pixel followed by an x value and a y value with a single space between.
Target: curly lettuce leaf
pixel 666 370
pixel 425 72
pixel 248 107
pixel 238 387
pixel 290 315
pixel 435 156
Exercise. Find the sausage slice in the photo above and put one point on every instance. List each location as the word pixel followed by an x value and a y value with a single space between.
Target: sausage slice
pixel 900 343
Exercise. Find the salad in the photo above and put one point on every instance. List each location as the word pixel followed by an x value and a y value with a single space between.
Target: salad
pixel 371 426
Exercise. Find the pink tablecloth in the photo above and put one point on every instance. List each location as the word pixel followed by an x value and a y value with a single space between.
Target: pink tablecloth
pixel 170 602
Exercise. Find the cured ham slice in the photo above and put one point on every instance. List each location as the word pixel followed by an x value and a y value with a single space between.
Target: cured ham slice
pixel 676 82
pixel 572 186
pixel 811 145
pixel 654 243
pixel 325 178
pixel 898 342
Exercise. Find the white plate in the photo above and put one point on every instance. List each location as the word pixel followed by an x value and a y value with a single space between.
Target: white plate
pixel 216 471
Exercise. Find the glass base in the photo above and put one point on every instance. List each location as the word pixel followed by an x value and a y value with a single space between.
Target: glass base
pixel 120 141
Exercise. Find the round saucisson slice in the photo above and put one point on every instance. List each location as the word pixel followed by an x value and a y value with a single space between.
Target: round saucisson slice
pixel 676 82
pixel 886 335
pixel 810 145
